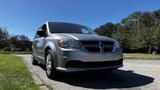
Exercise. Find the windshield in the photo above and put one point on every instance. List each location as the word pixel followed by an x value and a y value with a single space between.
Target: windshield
pixel 69 28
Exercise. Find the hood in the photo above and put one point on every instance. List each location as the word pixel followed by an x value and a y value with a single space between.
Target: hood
pixel 84 37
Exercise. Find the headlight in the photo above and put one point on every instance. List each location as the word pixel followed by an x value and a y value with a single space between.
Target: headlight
pixel 69 43
pixel 116 45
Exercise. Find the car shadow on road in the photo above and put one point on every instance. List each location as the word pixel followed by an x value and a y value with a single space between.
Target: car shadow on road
pixel 105 80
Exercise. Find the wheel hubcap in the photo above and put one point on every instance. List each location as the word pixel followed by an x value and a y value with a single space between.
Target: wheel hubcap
pixel 48 64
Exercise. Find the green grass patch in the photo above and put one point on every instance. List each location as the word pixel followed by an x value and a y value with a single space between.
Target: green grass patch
pixel 15 52
pixel 141 56
pixel 14 75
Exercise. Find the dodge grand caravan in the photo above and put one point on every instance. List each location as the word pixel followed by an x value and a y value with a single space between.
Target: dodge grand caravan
pixel 72 47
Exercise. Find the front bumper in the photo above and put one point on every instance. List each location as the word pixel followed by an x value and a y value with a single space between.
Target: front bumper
pixel 87 61
pixel 86 69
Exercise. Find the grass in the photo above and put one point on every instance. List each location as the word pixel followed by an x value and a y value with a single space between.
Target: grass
pixel 15 52
pixel 14 74
pixel 141 56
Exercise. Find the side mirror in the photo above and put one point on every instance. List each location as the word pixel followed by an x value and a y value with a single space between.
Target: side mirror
pixel 41 33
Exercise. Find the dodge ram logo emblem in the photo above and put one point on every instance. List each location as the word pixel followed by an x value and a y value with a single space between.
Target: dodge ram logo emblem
pixel 101 46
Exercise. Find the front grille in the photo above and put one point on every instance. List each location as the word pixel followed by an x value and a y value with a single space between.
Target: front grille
pixel 79 64
pixel 98 46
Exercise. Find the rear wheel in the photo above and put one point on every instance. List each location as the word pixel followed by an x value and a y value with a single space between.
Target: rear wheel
pixel 50 70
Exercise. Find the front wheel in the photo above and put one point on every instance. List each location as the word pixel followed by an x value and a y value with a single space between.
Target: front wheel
pixel 50 70
pixel 34 62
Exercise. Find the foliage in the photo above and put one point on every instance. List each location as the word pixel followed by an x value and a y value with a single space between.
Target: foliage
pixel 4 36
pixel 21 42
pixel 13 43
pixel 139 32
pixel 106 29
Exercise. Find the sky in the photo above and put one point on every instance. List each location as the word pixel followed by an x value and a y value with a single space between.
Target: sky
pixel 25 16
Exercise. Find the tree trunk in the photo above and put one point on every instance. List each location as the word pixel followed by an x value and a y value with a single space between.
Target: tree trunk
pixel 150 49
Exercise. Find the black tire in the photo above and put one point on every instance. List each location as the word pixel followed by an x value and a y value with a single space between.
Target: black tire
pixel 111 70
pixel 34 62
pixel 50 69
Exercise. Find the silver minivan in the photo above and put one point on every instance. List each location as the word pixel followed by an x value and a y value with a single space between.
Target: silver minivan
pixel 72 47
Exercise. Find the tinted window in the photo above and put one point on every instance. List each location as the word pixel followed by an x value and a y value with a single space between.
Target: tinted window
pixel 69 28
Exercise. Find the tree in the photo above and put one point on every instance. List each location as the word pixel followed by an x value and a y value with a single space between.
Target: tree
pixel 21 42
pixel 106 30
pixel 139 32
pixel 122 35
pixel 4 36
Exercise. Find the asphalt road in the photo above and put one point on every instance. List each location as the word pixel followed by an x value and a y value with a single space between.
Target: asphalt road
pixel 135 75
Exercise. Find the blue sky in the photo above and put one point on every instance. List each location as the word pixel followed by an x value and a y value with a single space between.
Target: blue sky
pixel 25 16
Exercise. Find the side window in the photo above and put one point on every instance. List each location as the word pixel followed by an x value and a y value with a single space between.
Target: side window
pixel 41 32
